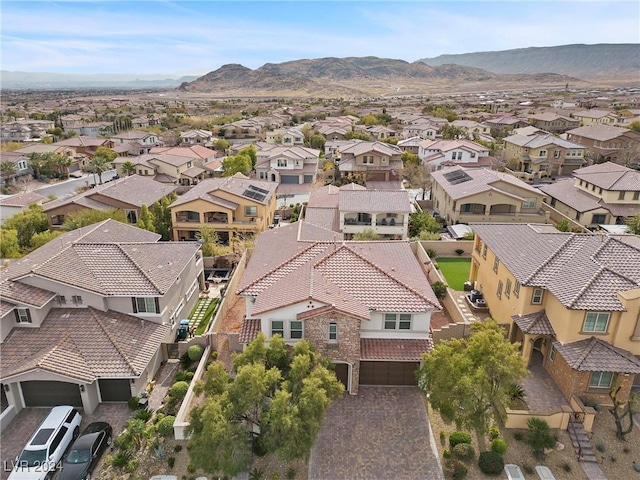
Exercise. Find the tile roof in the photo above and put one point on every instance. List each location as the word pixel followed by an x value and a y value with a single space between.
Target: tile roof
pixel 595 355
pixel 537 141
pixel 323 217
pixel 356 277
pixel 610 176
pixel 482 180
pixel 584 271
pixel 448 145
pixel 396 201
pixel 536 323
pixel 250 330
pixel 598 132
pixel 576 198
pixel 235 185
pixel 23 199
pixel 394 349
pixel 194 151
pixel 84 343
pixel 358 147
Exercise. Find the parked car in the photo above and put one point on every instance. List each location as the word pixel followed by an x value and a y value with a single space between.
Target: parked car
pixel 86 451
pixel 43 453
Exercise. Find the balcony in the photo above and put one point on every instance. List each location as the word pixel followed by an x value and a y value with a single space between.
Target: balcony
pixel 188 217
pixel 216 217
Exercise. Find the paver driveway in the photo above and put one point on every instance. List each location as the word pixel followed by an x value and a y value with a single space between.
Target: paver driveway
pixel 381 433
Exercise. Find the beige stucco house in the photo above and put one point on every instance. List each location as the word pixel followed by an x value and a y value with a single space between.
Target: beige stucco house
pixel 374 160
pixel 571 300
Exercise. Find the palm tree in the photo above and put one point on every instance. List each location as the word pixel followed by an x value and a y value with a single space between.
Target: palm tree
pixel 8 170
pixel 101 161
pixel 128 168
pixel 37 161
pixel 62 163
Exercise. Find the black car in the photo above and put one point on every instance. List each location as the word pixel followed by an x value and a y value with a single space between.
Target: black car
pixel 86 451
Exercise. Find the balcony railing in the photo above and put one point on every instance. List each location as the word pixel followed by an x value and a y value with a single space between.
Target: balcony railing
pixel 388 223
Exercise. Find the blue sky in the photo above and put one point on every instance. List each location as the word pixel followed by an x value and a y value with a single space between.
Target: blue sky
pixel 195 37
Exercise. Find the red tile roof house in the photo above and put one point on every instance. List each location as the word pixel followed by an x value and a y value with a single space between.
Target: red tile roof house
pixel 365 305
pixel 83 318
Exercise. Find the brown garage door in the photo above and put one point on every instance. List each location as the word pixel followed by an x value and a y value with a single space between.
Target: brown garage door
pixel 50 394
pixel 388 373
pixel 342 372
pixel 114 390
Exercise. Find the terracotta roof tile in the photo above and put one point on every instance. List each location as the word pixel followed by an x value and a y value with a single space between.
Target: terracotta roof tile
pixel 535 323
pixel 394 349
pixel 250 330
pixel 374 201
pixel 595 355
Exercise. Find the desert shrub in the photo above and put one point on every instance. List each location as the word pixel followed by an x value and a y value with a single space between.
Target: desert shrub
pixel 133 403
pixel 171 461
pixel 494 432
pixel 498 445
pixel 464 451
pixel 177 448
pixel 440 290
pixel 256 474
pixel 165 426
pixel 191 468
pixel 539 436
pixel 291 473
pixel 195 352
pixel 446 453
pixel 431 252
pixel 143 415
pixel 528 469
pixel 516 392
pixel 159 452
pixel 179 377
pixel 121 459
pixel 179 389
pixel 519 436
pixel 491 463
pixel 455 469
pixel 123 442
pixel 601 447
pixel 459 437
pixel 443 435
pixel 188 376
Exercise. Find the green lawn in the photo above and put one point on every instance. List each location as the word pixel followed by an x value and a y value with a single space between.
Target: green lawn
pixel 455 271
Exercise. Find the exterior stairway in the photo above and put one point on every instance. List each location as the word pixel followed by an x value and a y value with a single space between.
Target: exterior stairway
pixel 581 443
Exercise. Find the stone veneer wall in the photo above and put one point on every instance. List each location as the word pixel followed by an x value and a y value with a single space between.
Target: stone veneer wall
pixel 347 349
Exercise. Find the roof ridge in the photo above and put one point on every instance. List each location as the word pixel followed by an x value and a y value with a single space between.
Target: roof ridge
pixel 592 343
pixel 63 339
pixel 549 258
pixel 112 339
pixel 144 273
pixel 587 286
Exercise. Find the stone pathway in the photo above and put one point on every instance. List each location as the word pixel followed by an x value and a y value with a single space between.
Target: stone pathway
pixel 164 380
pixel 582 447
pixel 198 314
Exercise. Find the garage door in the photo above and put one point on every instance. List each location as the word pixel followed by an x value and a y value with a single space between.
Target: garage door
pixel 50 394
pixel 342 372
pixel 308 179
pixel 388 373
pixel 289 179
pixel 115 390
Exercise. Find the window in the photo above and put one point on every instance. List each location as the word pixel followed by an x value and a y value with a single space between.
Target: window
pixel 367 159
pixel 556 154
pixel 393 321
pixel 529 203
pixel 188 164
pixel 22 165
pixel 484 251
pixel 552 353
pixel 536 298
pixel 499 291
pixel 76 299
pixel 507 289
pixel 296 330
pixel 282 162
pixel 598 218
pixel 496 264
pixel 132 216
pixel 596 322
pixel 384 159
pixel 192 289
pixel 543 153
pixel 251 211
pixel 23 315
pixel 636 195
pixel 600 380
pixel 277 328
pixel 621 195
pixel 146 305
pixel 61 300
pixel 333 332
pixel 55 443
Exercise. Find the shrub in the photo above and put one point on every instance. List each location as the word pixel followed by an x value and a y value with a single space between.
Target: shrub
pixel 177 448
pixel 178 377
pixel 515 392
pixel 191 468
pixel 600 447
pixel 131 465
pixel 459 437
pixel 195 352
pixel 123 442
pixel 256 474
pixel 171 461
pixel 491 463
pixel 464 451
pixel 566 467
pixel 446 453
pixel 626 449
pixel 498 445
pixel 291 473
pixel 133 403
pixel 519 436
pixel 165 426
pixel 459 251
pixel 179 389
pixel 440 290
pixel 539 435
pixel 121 459
pixel 185 361
pixel 494 432
pixel 528 469
pixel 188 376
pixel 159 452
pixel 143 415
pixel 455 469
pixel 431 252
pixel 442 435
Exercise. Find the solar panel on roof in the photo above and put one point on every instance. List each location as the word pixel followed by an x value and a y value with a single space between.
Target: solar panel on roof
pixel 456 177
pixel 254 195
pixel 258 189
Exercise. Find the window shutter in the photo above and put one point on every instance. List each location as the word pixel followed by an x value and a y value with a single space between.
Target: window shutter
pixel 28 315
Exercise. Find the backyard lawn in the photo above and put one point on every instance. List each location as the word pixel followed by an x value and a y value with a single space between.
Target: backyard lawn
pixel 455 271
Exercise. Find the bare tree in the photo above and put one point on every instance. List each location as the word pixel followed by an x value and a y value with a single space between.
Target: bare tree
pixel 621 410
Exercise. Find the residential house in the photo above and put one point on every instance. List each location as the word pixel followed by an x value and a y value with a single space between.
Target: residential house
pixel 25 130
pixel 87 145
pixel 136 143
pixel 366 306
pixel 380 132
pixel 411 145
pixel 282 164
pixel 289 137
pixel 605 193
pixel 353 209
pixel 232 206
pixel 92 129
pixel 597 117
pixel 11 205
pixel 83 319
pixel 421 128
pixel 554 123
pixel 571 300
pixel 472 129
pixel 246 128
pixel 374 160
pixel 538 156
pixel 196 137
pixel 78 160
pixel 438 153
pixel 464 195
pixel 611 144
pixel 21 163
pixel 127 194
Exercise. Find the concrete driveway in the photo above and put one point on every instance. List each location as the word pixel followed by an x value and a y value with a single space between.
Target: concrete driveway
pixel 24 425
pixel 381 433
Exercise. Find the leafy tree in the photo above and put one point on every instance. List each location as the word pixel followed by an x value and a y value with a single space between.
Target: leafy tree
pixel 145 219
pixel 275 403
pixel 251 152
pixel 221 145
pixel 211 243
pixel 88 216
pixel 467 377
pixel 162 216
pixel 37 161
pixel 128 168
pixel 237 164
pixel 450 132
pixel 634 224
pixel 635 126
pixel 421 221
pixel 102 160
pixel 563 225
pixel 317 141
pixel 367 234
pixel 62 164
pixel 41 238
pixel 27 223
pixel 356 135
pixel 409 158
pixel 9 246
